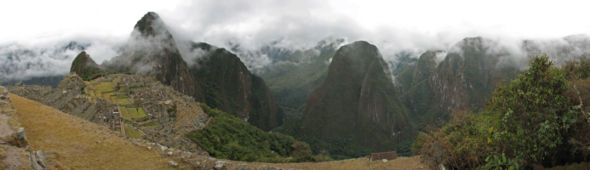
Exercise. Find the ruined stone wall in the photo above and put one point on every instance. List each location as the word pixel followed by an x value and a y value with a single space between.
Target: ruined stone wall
pixel 14 148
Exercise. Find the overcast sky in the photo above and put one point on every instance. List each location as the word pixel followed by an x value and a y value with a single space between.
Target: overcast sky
pixel 391 25
pixel 29 20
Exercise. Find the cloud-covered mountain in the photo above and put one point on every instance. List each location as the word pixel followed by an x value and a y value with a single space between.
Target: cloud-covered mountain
pixel 210 74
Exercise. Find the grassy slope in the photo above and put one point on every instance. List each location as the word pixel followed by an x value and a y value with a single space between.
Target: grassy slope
pixel 354 164
pixel 79 144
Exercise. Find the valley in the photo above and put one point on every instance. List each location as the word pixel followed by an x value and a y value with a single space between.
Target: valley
pixel 283 90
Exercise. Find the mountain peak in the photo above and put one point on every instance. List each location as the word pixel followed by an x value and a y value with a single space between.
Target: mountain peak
pixel 356 57
pixel 85 67
pixel 357 99
pixel 361 45
pixel 81 61
pixel 151 25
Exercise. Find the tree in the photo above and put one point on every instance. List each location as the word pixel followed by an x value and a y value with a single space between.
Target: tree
pixel 532 114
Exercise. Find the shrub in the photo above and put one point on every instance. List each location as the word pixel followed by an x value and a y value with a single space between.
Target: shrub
pixel 532 113
pixel 525 122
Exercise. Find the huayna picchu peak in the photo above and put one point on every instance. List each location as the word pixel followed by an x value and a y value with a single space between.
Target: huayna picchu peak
pixel 85 67
pixel 216 77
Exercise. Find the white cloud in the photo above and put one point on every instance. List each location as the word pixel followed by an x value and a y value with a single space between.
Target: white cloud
pixel 391 25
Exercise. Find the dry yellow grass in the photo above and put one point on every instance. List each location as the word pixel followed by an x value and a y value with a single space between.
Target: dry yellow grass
pixel 74 143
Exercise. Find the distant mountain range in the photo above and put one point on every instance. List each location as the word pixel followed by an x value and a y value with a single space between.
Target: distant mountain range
pixel 215 76
pixel 37 66
pixel 340 97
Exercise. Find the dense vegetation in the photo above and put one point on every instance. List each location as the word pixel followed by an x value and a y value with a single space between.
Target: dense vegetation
pixel 228 137
pixel 536 119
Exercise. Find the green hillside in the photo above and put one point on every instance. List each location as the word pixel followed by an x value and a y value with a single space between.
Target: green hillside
pixel 228 137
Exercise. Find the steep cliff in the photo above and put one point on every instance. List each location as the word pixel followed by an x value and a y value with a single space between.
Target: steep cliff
pixel 356 106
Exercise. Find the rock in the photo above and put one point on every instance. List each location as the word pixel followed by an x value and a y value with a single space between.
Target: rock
pixel 3 91
pixel 172 163
pixel 384 160
pixel 38 160
pixel 21 138
pixel 219 165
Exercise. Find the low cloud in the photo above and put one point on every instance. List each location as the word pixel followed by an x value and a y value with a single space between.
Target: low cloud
pixel 22 61
pixel 250 25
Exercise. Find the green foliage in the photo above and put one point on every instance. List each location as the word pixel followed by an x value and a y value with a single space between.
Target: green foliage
pixel 532 114
pixel 525 122
pixel 501 162
pixel 90 73
pixel 461 144
pixel 578 70
pixel 228 137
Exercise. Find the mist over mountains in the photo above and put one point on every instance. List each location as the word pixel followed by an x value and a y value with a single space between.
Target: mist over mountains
pixel 21 61
pixel 450 84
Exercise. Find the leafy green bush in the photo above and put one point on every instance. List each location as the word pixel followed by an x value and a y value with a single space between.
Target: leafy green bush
pixel 526 122
pixel 461 144
pixel 532 113
pixel 229 137
pixel 578 69
pixel 501 162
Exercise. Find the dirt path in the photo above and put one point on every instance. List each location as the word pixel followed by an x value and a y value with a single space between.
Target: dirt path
pixel 402 163
pixel 72 143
